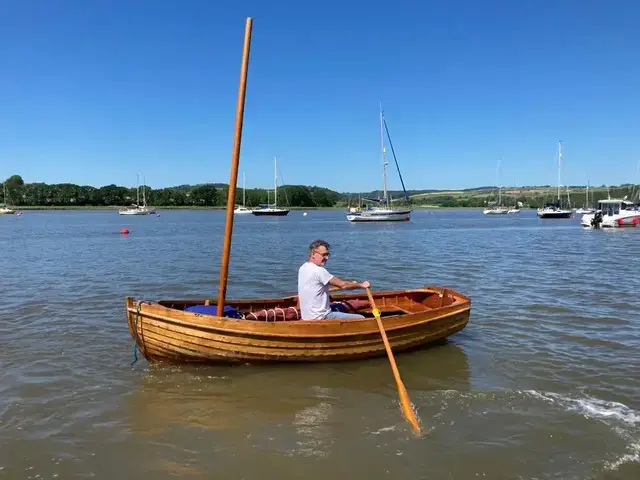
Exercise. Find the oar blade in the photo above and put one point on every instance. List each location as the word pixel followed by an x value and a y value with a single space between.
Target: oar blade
pixel 407 409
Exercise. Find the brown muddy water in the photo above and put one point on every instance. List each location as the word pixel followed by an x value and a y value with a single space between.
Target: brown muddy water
pixel 542 384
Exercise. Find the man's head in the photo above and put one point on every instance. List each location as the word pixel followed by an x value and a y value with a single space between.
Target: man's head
pixel 319 252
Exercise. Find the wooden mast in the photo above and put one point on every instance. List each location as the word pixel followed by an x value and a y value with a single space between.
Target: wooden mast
pixel 235 160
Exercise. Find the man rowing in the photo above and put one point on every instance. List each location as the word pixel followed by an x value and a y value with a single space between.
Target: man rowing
pixel 313 285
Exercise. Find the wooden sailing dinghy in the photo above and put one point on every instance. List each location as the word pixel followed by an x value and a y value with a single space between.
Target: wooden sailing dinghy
pixel 268 329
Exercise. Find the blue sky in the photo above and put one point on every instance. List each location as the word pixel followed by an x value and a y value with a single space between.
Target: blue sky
pixel 94 91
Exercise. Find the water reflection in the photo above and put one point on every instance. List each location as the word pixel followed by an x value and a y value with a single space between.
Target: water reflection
pixel 240 397
pixel 295 410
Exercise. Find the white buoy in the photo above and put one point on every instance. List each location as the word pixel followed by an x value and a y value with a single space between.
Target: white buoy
pixel 304 214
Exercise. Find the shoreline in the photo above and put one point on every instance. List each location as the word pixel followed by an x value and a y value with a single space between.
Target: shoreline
pixel 222 209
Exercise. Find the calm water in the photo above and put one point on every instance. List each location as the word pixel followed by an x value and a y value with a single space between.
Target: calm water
pixel 543 383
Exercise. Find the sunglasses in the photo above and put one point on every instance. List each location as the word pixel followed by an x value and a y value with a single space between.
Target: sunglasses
pixel 326 255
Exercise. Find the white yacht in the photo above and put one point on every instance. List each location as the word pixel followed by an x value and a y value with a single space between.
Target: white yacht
pixel 378 214
pixel 5 210
pixel 613 213
pixel 137 209
pixel 383 211
pixel 555 210
pixel 587 208
pixel 496 210
pixel 268 210
pixel 242 209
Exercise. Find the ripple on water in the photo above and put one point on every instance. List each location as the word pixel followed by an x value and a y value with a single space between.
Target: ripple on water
pixel 542 383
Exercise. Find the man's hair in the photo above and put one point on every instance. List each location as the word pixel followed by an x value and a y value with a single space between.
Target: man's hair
pixel 318 243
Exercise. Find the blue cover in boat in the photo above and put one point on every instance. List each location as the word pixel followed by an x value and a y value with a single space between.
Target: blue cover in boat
pixel 339 307
pixel 229 312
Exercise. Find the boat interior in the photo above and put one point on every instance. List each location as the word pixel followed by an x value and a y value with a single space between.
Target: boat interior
pixel 279 309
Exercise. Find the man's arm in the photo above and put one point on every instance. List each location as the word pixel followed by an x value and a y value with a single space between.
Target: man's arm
pixel 347 284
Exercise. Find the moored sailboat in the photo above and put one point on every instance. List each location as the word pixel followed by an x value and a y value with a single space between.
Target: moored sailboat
pixel 498 208
pixel 554 209
pixel 5 209
pixel 242 209
pixel 383 211
pixel 137 209
pixel 272 210
pixel 586 208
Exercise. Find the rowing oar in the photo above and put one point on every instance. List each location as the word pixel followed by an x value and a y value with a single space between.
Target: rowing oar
pixel 405 401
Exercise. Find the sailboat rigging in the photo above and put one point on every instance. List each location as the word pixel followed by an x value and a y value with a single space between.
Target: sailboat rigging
pixel 272 210
pixel 5 210
pixel 137 209
pixel 242 208
pixel 555 210
pixel 498 209
pixel 384 212
pixel 586 208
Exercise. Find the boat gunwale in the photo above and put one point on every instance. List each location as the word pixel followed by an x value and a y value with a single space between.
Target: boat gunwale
pixel 446 312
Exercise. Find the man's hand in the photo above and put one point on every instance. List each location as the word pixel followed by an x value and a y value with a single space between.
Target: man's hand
pixel 365 284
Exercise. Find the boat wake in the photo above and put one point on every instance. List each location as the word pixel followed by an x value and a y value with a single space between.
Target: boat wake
pixel 624 421
pixel 590 407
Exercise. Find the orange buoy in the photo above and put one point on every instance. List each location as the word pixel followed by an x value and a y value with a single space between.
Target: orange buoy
pixel 124 231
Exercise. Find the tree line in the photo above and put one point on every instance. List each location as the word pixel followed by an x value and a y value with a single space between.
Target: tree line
pixel 204 195
pixel 215 195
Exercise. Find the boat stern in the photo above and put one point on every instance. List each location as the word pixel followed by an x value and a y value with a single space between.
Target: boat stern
pixel 586 219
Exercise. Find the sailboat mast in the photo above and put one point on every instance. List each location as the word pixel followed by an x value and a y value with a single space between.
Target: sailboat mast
pixel 499 184
pixel 384 157
pixel 243 191
pixel 275 181
pixel 137 189
pixel 587 196
pixel 235 160
pixel 559 166
pixel 144 197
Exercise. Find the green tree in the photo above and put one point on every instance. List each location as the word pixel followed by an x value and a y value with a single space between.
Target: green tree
pixel 14 181
pixel 205 195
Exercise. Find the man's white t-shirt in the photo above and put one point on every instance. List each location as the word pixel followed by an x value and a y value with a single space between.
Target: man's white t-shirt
pixel 313 291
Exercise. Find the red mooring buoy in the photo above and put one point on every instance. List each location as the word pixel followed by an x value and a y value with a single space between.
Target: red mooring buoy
pixel 124 231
